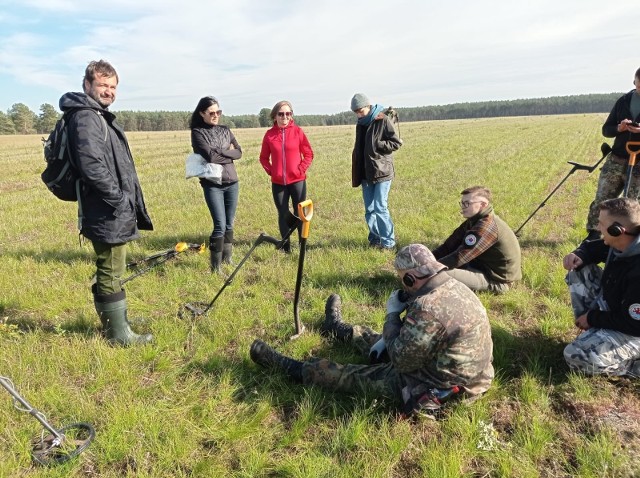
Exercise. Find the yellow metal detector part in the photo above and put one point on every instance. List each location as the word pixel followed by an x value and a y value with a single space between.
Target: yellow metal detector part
pixel 633 153
pixel 306 218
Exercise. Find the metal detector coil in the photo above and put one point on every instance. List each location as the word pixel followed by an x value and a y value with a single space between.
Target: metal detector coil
pixel 59 445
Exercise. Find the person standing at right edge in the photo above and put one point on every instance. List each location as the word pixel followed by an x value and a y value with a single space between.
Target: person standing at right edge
pixel 372 168
pixel 286 155
pixel 613 176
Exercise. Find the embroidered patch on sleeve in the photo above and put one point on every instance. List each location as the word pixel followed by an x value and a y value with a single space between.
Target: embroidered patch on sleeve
pixel 470 240
pixel 634 311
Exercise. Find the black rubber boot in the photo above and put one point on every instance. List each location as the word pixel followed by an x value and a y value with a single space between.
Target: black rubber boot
pixel 227 247
pixel 112 310
pixel 264 355
pixel 215 246
pixel 333 326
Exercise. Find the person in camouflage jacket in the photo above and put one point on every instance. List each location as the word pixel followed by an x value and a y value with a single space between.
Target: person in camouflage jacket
pixel 443 343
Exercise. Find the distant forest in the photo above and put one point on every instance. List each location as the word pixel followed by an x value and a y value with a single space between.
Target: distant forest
pixel 19 119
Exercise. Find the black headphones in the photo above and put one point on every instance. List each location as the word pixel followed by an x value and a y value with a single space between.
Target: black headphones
pixel 616 230
pixel 409 279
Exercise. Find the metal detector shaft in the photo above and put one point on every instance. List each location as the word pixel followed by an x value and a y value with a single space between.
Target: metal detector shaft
pixel 305 216
pixel 261 238
pixel 29 409
pixel 605 148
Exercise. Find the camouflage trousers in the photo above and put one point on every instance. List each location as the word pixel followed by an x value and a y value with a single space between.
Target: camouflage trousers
pixel 598 351
pixel 380 380
pixel 613 177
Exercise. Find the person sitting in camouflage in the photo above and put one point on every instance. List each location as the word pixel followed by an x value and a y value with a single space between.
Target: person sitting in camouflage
pixel 442 346
pixel 606 303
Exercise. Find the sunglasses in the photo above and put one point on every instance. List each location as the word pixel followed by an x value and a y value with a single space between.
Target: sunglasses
pixel 215 113
pixel 282 114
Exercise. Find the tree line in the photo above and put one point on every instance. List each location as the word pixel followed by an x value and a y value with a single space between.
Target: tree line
pixel 19 119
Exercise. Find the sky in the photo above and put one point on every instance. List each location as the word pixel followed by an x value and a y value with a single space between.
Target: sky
pixel 317 53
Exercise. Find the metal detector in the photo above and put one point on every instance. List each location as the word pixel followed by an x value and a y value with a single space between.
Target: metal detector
pixel 605 148
pixel 60 445
pixel 195 308
pixel 160 258
pixel 306 221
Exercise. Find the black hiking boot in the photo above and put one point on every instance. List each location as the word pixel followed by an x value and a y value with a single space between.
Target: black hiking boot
pixel 333 326
pixel 266 356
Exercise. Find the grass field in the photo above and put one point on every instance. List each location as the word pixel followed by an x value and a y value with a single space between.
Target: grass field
pixel 193 404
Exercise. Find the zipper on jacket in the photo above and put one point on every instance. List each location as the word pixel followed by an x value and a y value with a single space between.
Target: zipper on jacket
pixel 284 160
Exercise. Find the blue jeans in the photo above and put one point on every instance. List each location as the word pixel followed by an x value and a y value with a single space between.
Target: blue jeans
pixel 376 213
pixel 222 201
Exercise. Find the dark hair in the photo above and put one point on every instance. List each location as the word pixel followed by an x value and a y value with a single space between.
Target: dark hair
pixel 196 120
pixel 276 108
pixel 625 210
pixel 481 191
pixel 637 74
pixel 101 68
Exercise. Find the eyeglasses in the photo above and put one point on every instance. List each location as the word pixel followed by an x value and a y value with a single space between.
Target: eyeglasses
pixel 466 204
pixel 215 113
pixel 282 114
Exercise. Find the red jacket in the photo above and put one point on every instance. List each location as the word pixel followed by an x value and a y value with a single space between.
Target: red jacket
pixel 286 154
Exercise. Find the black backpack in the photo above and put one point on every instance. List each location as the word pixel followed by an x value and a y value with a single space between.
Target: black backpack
pixel 60 175
pixel 392 114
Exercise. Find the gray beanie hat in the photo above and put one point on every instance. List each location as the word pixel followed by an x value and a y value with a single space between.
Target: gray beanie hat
pixel 358 101
pixel 418 258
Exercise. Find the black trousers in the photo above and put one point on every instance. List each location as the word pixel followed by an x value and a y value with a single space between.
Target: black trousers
pixel 296 192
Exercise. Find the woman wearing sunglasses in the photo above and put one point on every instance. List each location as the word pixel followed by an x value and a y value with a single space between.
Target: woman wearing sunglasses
pixel 216 144
pixel 286 155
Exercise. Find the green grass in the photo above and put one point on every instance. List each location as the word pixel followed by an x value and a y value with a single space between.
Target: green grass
pixel 193 404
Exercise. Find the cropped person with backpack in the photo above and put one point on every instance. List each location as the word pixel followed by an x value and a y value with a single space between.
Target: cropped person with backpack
pixel 372 168
pixel 111 207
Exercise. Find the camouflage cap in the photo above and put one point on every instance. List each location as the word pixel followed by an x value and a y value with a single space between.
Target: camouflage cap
pixel 418 258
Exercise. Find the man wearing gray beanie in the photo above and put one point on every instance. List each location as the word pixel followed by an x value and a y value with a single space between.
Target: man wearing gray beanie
pixel 372 168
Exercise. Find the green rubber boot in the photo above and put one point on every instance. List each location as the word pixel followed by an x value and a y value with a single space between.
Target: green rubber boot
pixel 215 245
pixel 112 310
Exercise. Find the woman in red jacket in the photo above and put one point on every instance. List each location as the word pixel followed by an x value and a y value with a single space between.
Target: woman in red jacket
pixel 286 155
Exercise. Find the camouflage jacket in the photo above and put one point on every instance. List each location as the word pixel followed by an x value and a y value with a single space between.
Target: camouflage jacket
pixel 444 340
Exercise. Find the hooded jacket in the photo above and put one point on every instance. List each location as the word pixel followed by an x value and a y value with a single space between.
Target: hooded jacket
pixel 111 205
pixel 286 154
pixel 621 110
pixel 620 286
pixel 372 156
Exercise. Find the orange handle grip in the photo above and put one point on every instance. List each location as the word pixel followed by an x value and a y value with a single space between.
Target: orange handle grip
pixel 632 152
pixel 305 216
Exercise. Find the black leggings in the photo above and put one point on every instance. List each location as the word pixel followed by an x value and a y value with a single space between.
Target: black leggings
pixel 281 194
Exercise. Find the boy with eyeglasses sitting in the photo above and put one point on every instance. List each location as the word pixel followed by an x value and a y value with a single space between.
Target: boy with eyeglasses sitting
pixel 483 252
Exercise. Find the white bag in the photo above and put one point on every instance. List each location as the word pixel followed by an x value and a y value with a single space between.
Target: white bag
pixel 197 167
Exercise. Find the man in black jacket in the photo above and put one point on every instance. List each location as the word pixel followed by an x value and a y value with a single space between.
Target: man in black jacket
pixel 606 303
pixel 372 168
pixel 111 207
pixel 619 125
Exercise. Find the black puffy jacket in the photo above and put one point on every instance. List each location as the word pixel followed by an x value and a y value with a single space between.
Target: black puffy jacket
pixel 620 286
pixel 111 202
pixel 372 157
